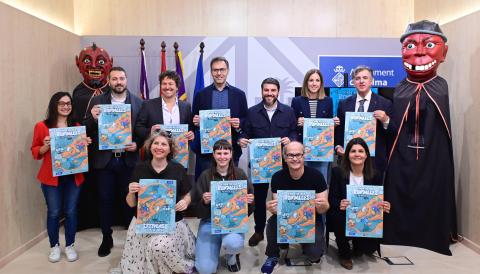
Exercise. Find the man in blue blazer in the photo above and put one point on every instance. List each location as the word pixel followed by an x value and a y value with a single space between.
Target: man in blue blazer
pixel 366 101
pixel 112 168
pixel 164 110
pixel 219 95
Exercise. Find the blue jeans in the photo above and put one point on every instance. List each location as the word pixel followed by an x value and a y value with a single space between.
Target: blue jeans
pixel 112 184
pixel 207 247
pixel 65 193
pixel 323 167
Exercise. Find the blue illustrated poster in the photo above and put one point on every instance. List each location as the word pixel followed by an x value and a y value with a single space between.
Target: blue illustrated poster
pixel 229 206
pixel 68 148
pixel 114 126
pixel 156 206
pixel 181 142
pixel 318 139
pixel 363 125
pixel 265 159
pixel 296 216
pixel 214 125
pixel 364 214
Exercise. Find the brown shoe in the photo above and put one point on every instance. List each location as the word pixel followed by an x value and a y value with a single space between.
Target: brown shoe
pixel 255 239
pixel 346 263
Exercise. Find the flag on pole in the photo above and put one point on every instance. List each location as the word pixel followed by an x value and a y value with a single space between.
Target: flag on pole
pixel 199 81
pixel 144 90
pixel 163 68
pixel 182 94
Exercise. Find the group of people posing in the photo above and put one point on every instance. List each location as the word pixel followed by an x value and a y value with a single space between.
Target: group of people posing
pixel 117 172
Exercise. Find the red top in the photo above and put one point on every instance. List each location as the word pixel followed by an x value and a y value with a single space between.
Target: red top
pixel 45 174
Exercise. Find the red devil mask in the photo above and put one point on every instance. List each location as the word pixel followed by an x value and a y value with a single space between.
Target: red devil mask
pixel 422 53
pixel 94 63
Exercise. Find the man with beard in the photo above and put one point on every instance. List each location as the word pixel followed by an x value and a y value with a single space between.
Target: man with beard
pixel 219 95
pixel 268 119
pixel 112 168
pixel 420 175
pixel 365 101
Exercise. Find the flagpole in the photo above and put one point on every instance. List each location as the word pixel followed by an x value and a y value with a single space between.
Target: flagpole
pixel 182 94
pixel 164 61
pixel 144 90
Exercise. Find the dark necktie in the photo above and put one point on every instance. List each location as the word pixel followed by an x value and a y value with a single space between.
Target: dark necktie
pixel 360 106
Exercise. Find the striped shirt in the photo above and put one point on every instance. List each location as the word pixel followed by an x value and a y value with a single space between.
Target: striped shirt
pixel 313 107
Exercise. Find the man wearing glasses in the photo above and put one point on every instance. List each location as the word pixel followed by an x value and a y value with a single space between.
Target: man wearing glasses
pixel 296 177
pixel 268 119
pixel 219 95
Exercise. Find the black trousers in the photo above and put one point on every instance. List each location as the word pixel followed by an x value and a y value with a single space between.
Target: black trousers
pixel 260 213
pixel 113 183
pixel 336 223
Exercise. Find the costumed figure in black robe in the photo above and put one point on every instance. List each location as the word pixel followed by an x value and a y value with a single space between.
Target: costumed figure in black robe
pixel 420 174
pixel 94 63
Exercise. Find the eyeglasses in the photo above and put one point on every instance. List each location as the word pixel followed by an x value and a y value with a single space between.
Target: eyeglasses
pixel 64 104
pixel 221 70
pixel 292 156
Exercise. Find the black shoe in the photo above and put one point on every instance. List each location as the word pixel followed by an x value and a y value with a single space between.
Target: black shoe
pixel 255 239
pixel 106 246
pixel 235 267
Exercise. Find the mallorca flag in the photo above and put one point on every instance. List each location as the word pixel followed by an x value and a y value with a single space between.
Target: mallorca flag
pixel 182 95
pixel 143 78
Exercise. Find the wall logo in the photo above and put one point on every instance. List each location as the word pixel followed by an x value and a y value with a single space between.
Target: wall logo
pixel 387 70
pixel 338 79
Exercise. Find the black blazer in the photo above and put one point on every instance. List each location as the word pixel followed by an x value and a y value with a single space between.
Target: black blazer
pixel 338 191
pixel 377 103
pixel 151 113
pixel 100 158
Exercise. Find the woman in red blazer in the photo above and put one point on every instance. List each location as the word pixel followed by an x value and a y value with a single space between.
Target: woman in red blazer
pixel 62 189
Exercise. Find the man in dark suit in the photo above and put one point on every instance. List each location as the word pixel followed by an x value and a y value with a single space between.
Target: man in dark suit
pixel 113 168
pixel 164 110
pixel 267 119
pixel 219 95
pixel 365 101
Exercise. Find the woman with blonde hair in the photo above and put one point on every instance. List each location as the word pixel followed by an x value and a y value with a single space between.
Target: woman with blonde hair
pixel 313 103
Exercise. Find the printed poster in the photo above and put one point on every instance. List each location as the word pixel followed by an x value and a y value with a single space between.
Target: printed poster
pixel 363 125
pixel 229 206
pixel 364 215
pixel 156 206
pixel 265 159
pixel 296 216
pixel 114 126
pixel 68 148
pixel 318 139
pixel 214 125
pixel 181 142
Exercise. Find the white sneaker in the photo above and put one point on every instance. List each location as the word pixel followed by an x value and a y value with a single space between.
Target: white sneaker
pixel 71 253
pixel 54 254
